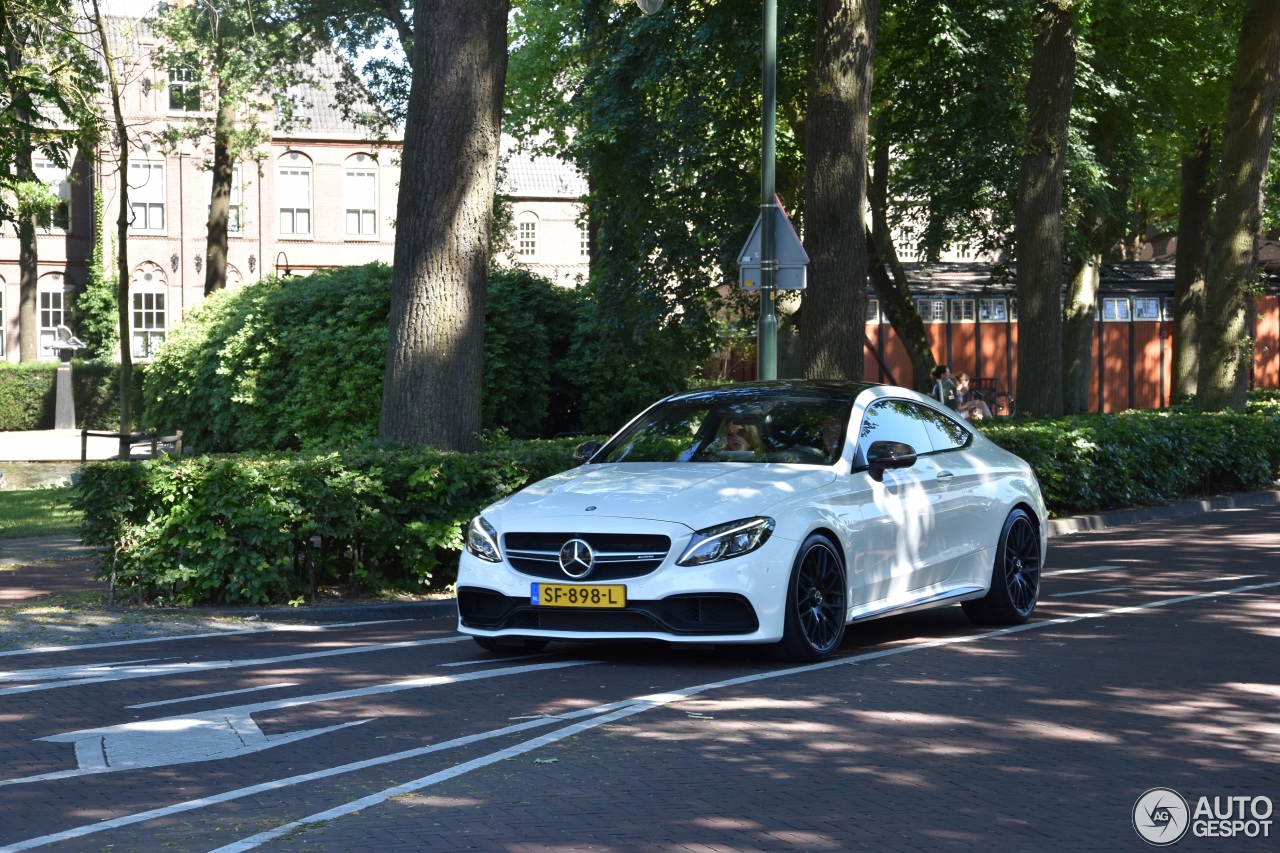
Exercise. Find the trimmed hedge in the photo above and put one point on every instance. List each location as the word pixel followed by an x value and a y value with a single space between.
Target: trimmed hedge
pixel 28 395
pixel 1142 457
pixel 271 527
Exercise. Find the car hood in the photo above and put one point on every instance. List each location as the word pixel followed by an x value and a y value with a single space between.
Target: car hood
pixel 695 495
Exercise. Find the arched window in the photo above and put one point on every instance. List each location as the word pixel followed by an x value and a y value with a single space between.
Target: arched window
pixel 527 235
pixel 148 310
pixel 293 194
pixel 360 196
pixel 53 309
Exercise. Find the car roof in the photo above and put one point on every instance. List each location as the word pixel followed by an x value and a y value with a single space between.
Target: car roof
pixel 776 388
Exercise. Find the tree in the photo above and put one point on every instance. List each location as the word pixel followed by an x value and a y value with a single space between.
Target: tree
pixel 835 303
pixel 1038 229
pixel 111 63
pixel 47 86
pixel 662 115
pixel 431 393
pixel 947 105
pixel 1237 215
pixel 247 61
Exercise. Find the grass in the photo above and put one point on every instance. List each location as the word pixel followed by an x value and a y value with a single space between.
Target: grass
pixel 37 512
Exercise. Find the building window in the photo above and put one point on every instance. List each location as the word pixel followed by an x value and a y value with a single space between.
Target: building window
pixel 51 311
pixel 184 94
pixel 527 239
pixel 360 191
pixel 584 241
pixel 147 196
pixel 147 319
pixel 3 317
pixel 932 310
pixel 235 220
pixel 58 180
pixel 993 310
pixel 873 310
pixel 962 310
pixel 1167 303
pixel 1115 309
pixel 1146 308
pixel 293 189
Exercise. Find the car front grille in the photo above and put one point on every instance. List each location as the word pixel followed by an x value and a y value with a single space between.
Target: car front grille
pixel 679 614
pixel 617 555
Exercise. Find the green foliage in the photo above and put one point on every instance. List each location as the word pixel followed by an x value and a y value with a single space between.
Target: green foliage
pixel 28 395
pixel 298 363
pixel 665 118
pixel 37 512
pixel 1142 457
pixel 286 363
pixel 264 528
pixel 97 315
pixel 50 80
pixel 528 385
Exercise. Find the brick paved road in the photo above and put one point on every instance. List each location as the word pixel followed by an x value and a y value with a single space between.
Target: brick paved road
pixel 1152 662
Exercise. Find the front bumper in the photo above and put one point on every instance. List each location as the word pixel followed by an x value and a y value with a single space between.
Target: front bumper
pixel 734 601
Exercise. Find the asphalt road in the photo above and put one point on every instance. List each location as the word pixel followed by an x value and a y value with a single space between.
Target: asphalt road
pixel 1152 662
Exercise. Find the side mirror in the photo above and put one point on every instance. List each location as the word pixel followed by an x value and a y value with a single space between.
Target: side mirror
pixel 585 451
pixel 882 455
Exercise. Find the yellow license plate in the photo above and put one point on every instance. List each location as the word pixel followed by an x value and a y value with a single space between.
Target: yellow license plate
pixel 576 595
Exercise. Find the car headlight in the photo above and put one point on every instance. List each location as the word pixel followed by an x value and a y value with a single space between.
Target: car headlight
pixel 726 540
pixel 482 540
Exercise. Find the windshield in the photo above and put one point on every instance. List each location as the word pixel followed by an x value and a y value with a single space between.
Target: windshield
pixel 774 428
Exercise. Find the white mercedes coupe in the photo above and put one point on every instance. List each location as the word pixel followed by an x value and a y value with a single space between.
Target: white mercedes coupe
pixel 768 512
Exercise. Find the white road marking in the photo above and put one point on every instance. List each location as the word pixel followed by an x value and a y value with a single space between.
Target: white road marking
pixel 221 732
pixel 1224 580
pixel 77 676
pixel 214 695
pixel 1059 572
pixel 265 629
pixel 1089 591
pixel 607 713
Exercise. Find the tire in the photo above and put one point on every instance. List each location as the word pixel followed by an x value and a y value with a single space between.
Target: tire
pixel 815 603
pixel 1015 577
pixel 508 646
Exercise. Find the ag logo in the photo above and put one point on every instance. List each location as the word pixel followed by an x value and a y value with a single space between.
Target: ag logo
pixel 1161 816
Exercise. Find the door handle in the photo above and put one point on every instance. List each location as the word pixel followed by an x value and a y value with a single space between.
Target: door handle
pixel 945 475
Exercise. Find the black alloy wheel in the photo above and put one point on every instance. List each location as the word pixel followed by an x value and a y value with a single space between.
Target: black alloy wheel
pixel 1015 577
pixel 816 602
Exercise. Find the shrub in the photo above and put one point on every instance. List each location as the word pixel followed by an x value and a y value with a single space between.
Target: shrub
pixel 270 527
pixel 285 364
pixel 28 395
pixel 1142 457
pixel 298 363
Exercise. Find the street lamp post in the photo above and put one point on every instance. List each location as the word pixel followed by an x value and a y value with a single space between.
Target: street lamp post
pixel 767 333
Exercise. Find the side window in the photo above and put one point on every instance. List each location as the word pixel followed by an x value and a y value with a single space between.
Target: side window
pixel 893 420
pixel 944 432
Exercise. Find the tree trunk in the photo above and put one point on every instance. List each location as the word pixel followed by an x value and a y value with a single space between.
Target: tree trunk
pixel 1038 225
pixel 1188 274
pixel 122 234
pixel 1077 334
pixel 835 302
pixel 215 275
pixel 28 267
pixel 1225 348
pixel 890 280
pixel 435 351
